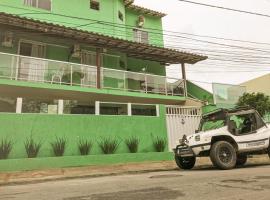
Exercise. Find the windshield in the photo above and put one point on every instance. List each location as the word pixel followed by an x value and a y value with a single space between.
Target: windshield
pixel 212 122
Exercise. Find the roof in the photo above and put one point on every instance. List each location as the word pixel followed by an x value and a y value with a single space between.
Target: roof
pixel 132 49
pixel 129 4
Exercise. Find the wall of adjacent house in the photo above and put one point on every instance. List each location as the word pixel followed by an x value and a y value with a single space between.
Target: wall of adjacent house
pixel 45 128
pixel 199 93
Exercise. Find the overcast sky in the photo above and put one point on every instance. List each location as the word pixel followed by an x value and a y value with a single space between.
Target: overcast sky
pixel 195 19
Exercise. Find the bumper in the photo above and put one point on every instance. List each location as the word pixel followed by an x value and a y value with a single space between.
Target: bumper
pixel 183 151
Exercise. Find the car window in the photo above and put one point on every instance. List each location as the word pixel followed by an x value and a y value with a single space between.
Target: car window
pixel 242 124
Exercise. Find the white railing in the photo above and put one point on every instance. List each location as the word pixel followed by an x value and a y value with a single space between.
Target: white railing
pixel 31 69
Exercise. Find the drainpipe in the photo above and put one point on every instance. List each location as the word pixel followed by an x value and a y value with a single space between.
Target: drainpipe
pixel 184 78
pixel 98 64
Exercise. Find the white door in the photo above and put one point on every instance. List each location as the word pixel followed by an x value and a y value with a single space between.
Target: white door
pixel 31 69
pixel 181 121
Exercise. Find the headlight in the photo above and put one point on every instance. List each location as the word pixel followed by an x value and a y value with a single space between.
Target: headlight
pixel 197 138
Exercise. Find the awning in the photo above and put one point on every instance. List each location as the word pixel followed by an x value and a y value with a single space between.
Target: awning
pixel 132 49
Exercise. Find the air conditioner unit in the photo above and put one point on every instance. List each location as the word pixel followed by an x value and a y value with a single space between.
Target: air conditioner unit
pixel 76 52
pixel 8 40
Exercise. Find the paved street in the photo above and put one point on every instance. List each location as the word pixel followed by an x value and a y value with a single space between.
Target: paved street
pixel 245 183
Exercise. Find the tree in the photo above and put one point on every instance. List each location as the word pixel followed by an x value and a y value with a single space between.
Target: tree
pixel 258 101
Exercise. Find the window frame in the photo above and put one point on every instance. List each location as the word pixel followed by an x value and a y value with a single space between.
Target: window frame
pixel 138 36
pixel 29 3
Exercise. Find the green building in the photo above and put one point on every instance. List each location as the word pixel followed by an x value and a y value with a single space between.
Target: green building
pixel 85 69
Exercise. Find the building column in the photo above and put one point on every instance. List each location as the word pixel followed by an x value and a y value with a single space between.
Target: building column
pixel 60 107
pixel 97 108
pixel 129 109
pixel 98 64
pixel 184 77
pixel 19 105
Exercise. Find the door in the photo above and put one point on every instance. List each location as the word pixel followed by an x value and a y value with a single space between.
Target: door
pixel 181 121
pixel 31 69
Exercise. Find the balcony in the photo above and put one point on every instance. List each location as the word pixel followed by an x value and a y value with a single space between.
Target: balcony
pixel 31 69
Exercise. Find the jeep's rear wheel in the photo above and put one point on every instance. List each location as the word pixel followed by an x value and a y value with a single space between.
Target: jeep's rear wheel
pixel 241 160
pixel 185 162
pixel 223 155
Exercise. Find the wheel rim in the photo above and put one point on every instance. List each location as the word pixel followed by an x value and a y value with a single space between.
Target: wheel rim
pixel 225 155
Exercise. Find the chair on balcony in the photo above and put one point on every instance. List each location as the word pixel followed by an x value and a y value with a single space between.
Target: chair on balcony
pixel 57 76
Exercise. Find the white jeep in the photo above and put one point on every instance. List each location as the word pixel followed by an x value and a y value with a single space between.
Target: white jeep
pixel 227 136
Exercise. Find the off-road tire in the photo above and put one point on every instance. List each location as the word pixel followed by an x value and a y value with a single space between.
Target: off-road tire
pixel 185 162
pixel 241 160
pixel 223 155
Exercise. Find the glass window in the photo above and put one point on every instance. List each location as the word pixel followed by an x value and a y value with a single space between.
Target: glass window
pixel 120 15
pixel 43 106
pixel 144 110
pixel 79 107
pixel 95 5
pixel 43 4
pixel 8 104
pixel 113 109
pixel 140 36
pixel 243 124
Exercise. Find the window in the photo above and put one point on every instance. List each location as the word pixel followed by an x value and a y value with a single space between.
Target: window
pixel 42 4
pixel 7 104
pixel 120 16
pixel 144 110
pixel 79 107
pixel 242 124
pixel 140 36
pixel 43 106
pixel 113 109
pixel 95 5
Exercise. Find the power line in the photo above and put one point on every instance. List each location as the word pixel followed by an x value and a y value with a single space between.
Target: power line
pixel 225 8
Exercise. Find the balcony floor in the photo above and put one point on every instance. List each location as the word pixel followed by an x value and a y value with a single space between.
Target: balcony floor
pixel 30 89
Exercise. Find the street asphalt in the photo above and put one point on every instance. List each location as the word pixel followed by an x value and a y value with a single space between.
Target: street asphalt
pixel 248 183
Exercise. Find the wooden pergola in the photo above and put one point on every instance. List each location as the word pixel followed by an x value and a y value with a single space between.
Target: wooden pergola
pixel 132 49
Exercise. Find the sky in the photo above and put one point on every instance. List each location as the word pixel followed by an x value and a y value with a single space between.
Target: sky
pixel 199 20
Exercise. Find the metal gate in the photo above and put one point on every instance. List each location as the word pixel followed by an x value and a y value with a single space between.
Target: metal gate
pixel 180 121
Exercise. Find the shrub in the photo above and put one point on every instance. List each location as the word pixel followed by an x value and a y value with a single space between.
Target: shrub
pixel 32 148
pixel 59 146
pixel 159 144
pixel 109 145
pixel 5 148
pixel 85 147
pixel 132 144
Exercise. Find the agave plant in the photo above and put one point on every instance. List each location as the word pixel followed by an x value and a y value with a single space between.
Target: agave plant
pixel 109 145
pixel 32 148
pixel 85 147
pixel 159 144
pixel 59 146
pixel 5 148
pixel 132 144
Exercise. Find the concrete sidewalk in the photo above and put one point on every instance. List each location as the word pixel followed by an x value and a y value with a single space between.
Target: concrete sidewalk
pixel 28 177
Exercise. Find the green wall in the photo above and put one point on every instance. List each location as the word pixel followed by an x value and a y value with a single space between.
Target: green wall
pixel 199 93
pixel 45 128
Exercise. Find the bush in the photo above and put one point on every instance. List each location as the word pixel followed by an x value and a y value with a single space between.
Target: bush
pixel 159 144
pixel 5 148
pixel 109 145
pixel 59 146
pixel 85 147
pixel 32 148
pixel 132 144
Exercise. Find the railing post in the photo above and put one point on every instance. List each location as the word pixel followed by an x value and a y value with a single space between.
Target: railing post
pixel 125 80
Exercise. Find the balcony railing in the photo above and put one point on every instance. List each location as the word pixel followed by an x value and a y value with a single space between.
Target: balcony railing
pixel 31 69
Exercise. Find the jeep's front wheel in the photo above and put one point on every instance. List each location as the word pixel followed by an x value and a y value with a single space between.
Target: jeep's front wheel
pixel 185 162
pixel 223 155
